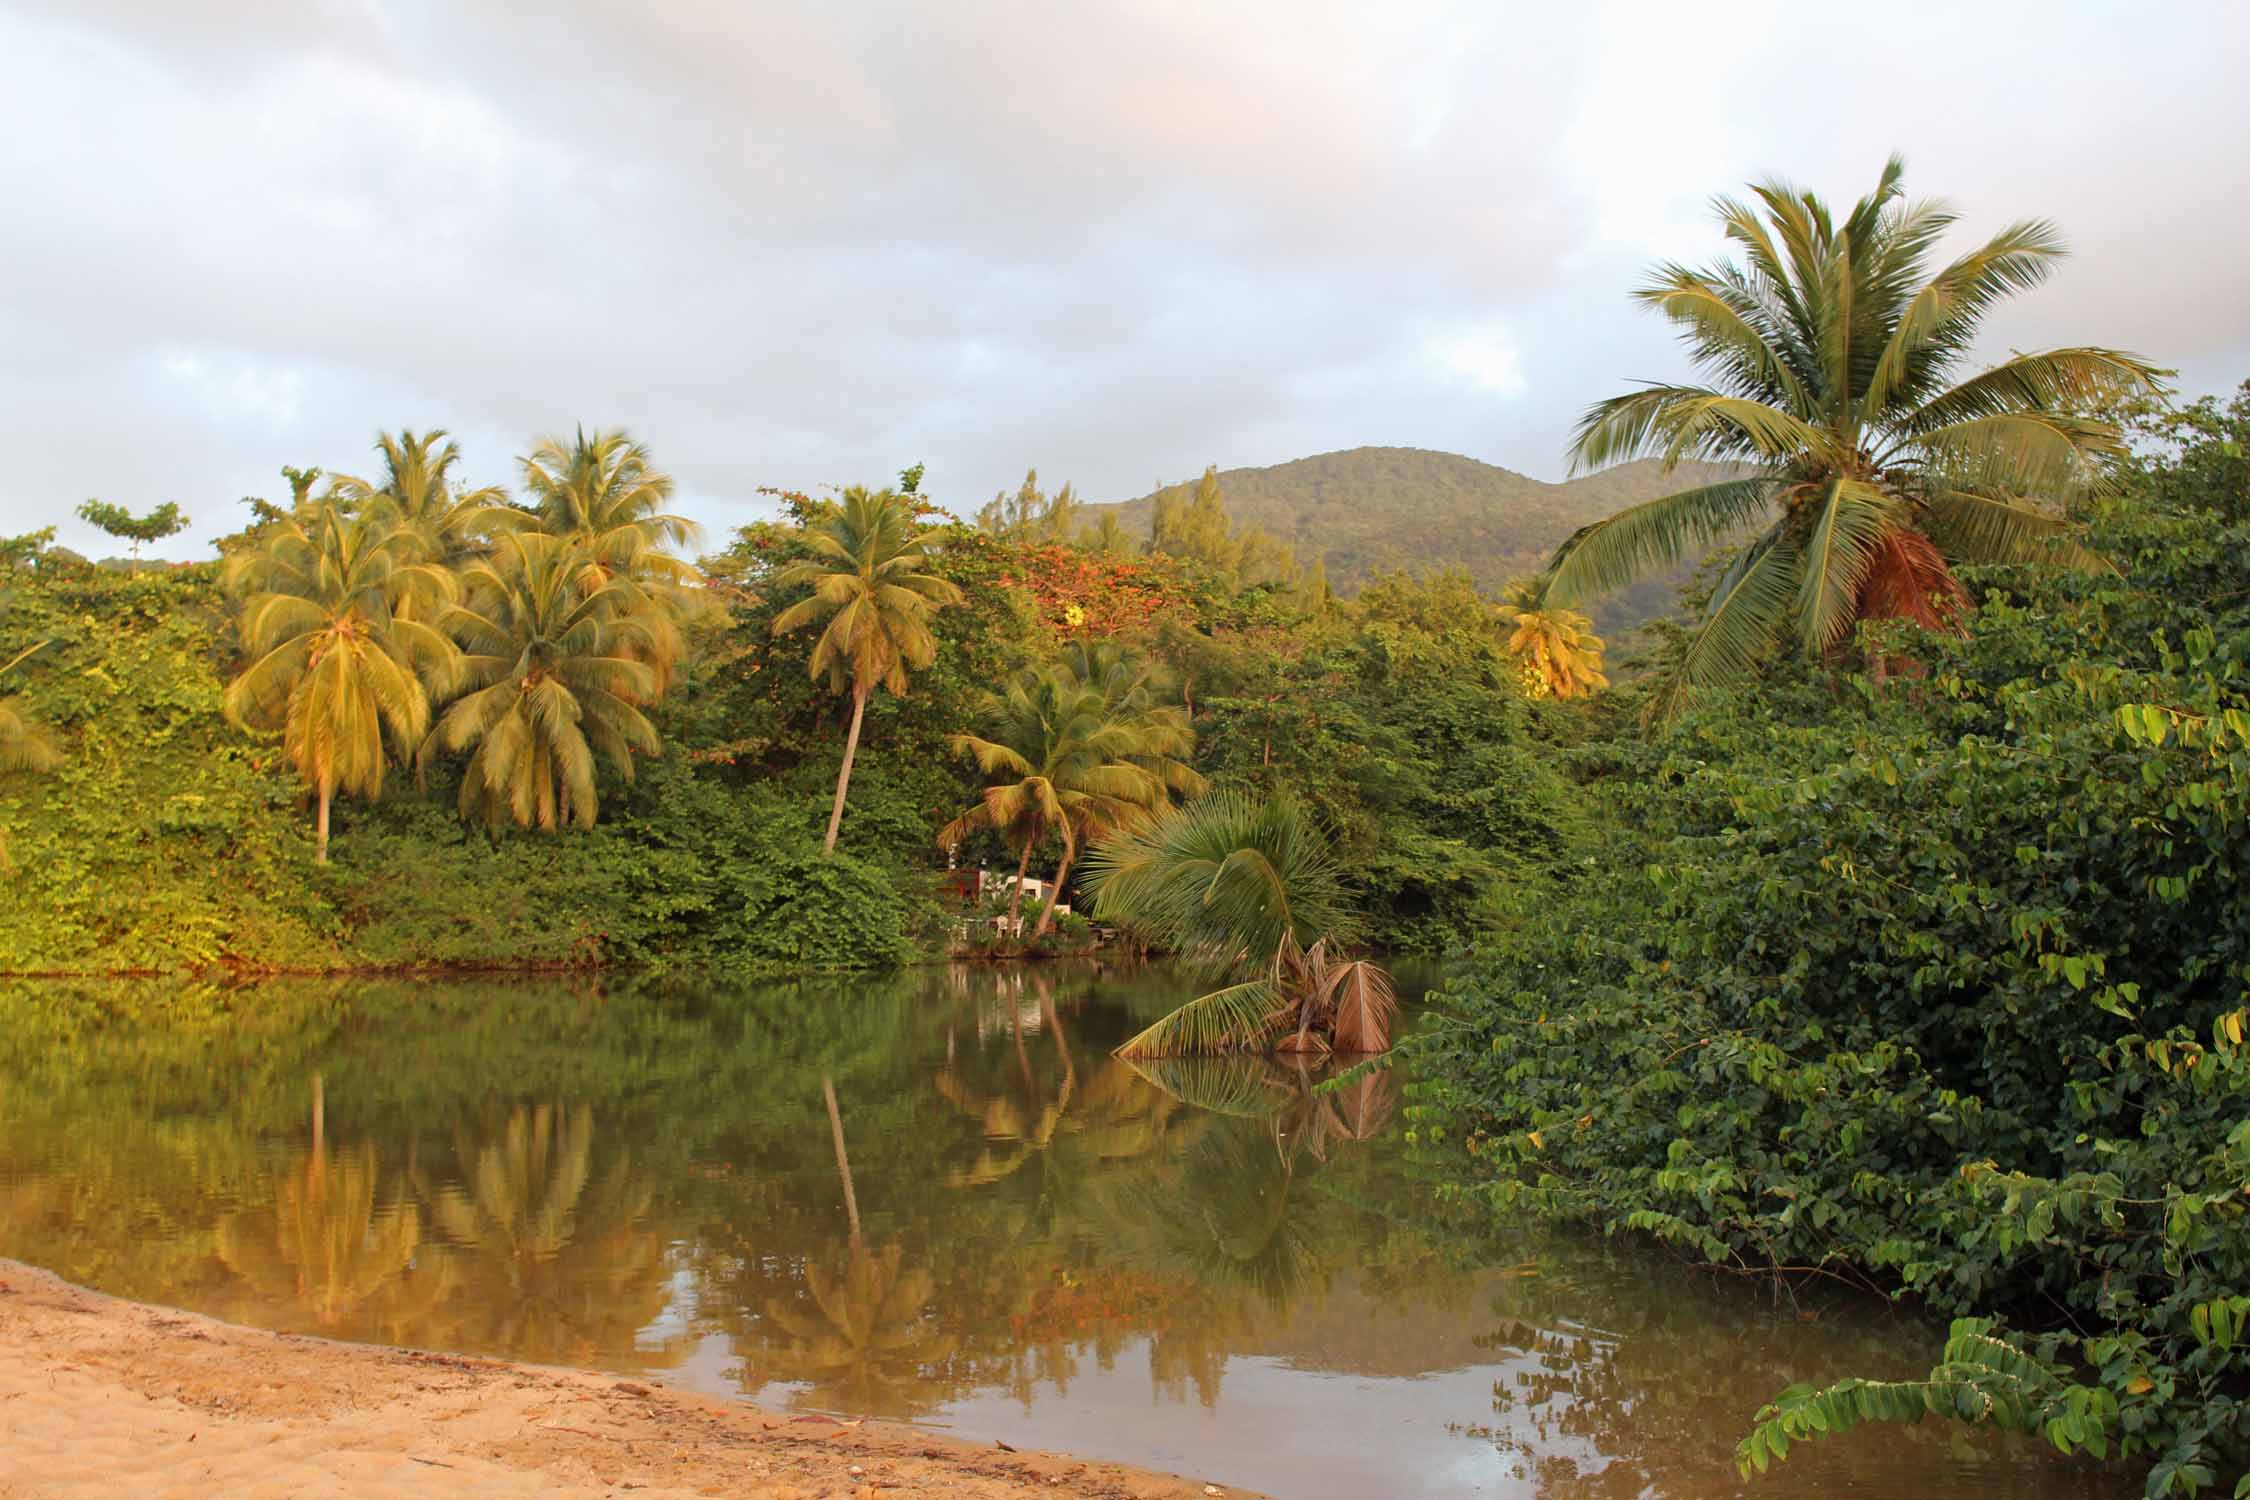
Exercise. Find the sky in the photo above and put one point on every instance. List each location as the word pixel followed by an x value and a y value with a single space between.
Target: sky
pixel 800 244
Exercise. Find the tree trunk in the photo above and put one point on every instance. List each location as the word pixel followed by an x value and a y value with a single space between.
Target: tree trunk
pixel 1062 873
pixel 843 1162
pixel 320 855
pixel 1015 901
pixel 844 776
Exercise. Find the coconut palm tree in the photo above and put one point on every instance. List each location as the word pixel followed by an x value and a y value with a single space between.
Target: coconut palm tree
pixel 1250 887
pixel 604 493
pixel 1143 696
pixel 1143 692
pixel 1835 354
pixel 337 653
pixel 552 677
pixel 417 483
pixel 1061 760
pixel 869 583
pixel 1555 648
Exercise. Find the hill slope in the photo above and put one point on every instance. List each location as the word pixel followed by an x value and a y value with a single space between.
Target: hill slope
pixel 1371 510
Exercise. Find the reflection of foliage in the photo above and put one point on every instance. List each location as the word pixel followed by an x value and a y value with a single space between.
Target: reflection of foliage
pixel 865 1338
pixel 1100 1218
pixel 554 1261
pixel 330 1241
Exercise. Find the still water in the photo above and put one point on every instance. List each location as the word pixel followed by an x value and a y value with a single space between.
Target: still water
pixel 934 1197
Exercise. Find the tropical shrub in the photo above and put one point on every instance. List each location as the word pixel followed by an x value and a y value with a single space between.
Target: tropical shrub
pixel 1937 985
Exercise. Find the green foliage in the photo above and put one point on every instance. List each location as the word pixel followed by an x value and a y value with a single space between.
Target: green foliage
pixel 1936 984
pixel 1401 724
pixel 1397 722
pixel 153 526
pixel 1193 525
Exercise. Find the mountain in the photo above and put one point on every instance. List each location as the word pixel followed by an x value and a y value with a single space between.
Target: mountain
pixel 1373 510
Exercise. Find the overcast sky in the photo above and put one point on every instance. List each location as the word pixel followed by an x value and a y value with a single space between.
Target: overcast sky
pixel 805 243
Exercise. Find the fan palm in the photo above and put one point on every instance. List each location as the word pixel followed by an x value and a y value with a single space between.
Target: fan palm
pixel 1250 886
pixel 869 583
pixel 337 654
pixel 418 486
pixel 1835 353
pixel 1555 648
pixel 552 682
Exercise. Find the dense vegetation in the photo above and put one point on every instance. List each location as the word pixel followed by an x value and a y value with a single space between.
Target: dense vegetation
pixel 1936 983
pixel 644 764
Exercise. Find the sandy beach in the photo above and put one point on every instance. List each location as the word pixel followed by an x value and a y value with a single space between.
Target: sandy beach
pixel 103 1397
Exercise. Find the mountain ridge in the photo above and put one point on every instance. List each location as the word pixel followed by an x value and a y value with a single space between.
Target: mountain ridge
pixel 1377 509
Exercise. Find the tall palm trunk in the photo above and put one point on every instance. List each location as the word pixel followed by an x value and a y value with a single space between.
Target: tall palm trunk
pixel 843 1162
pixel 1015 901
pixel 1062 873
pixel 844 776
pixel 327 794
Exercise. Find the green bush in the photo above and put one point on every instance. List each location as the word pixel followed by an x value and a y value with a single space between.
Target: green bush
pixel 1940 985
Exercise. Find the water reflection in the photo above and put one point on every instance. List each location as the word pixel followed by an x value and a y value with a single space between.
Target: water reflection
pixel 936 1196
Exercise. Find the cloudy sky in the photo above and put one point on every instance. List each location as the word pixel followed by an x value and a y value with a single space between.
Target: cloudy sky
pixel 804 243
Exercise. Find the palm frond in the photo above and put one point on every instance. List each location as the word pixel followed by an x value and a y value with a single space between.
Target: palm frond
pixel 1740 624
pixel 1991 527
pixel 1652 536
pixel 1234 1018
pixel 1841 547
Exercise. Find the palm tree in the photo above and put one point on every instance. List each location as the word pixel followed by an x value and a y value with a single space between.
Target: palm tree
pixel 337 654
pixel 1096 743
pixel 868 583
pixel 418 486
pixel 25 743
pixel 1251 887
pixel 1062 763
pixel 1555 648
pixel 1835 353
pixel 604 493
pixel 1142 696
pixel 548 660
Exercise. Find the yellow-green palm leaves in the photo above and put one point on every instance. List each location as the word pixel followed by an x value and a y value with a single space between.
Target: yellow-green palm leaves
pixel 1252 885
pixel 1555 649
pixel 418 486
pixel 551 660
pixel 604 494
pixel 1073 759
pixel 870 584
pixel 25 744
pixel 1835 352
pixel 336 655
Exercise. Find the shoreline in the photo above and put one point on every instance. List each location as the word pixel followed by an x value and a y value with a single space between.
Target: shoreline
pixel 101 1396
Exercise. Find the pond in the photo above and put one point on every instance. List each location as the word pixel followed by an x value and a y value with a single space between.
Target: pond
pixel 933 1196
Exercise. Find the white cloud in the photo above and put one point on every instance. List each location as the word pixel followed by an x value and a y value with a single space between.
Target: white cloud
pixel 795 243
pixel 1486 357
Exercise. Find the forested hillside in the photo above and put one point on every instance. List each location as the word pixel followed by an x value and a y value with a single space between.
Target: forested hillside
pixel 1367 511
